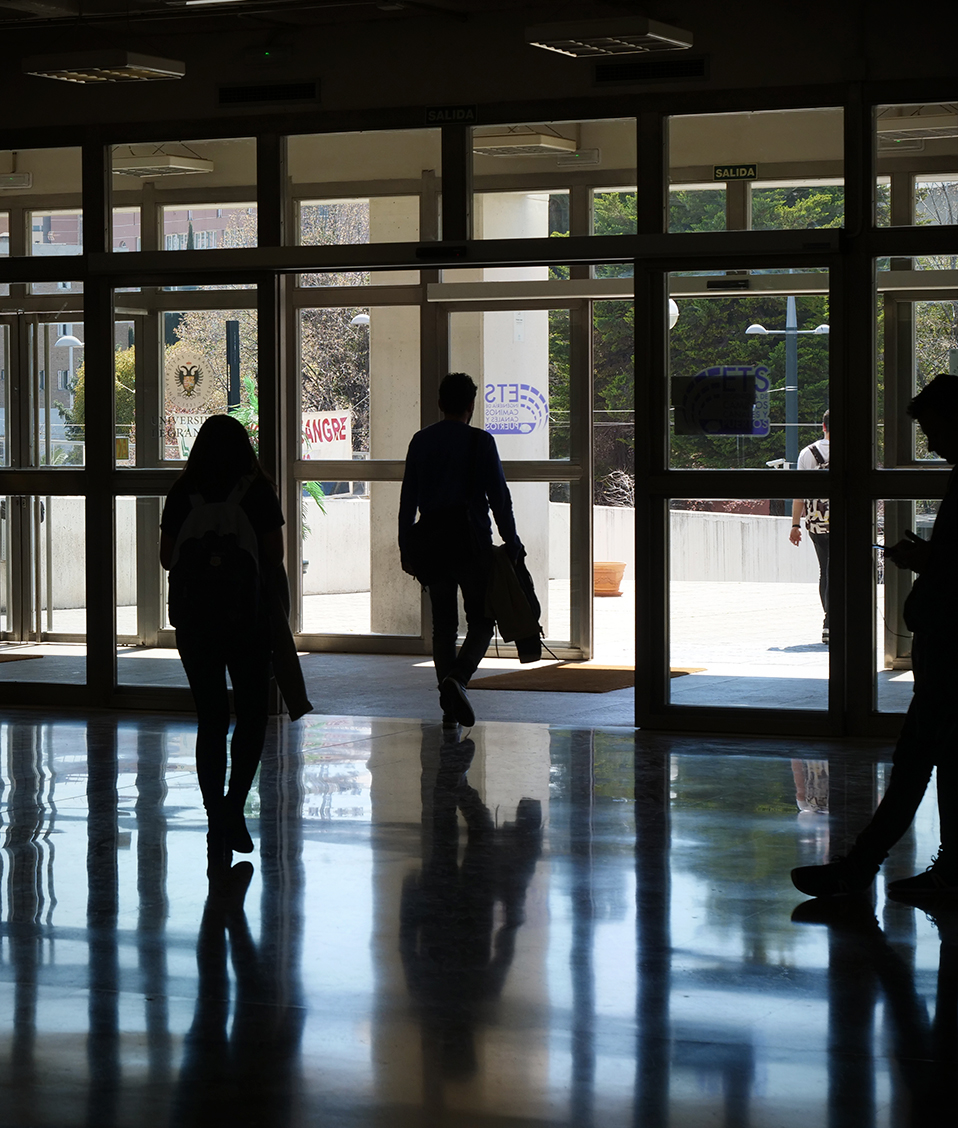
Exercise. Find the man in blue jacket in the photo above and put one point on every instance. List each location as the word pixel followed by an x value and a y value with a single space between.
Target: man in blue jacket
pixel 453 477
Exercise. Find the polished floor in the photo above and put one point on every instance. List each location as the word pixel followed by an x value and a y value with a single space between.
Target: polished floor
pixel 538 925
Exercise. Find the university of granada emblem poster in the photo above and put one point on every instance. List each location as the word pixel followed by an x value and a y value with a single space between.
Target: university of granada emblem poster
pixel 189 380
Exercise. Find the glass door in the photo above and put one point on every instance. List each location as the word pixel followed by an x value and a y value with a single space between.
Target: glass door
pixel 42 533
pixel 748 567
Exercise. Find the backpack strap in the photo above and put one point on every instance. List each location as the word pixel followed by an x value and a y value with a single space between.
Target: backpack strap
pixel 817 455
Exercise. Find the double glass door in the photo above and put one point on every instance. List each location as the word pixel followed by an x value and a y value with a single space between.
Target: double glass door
pixel 42 529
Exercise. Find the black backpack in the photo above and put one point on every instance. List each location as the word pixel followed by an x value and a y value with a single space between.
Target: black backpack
pixel 214 575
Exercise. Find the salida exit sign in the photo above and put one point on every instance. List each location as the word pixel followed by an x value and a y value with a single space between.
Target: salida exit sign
pixel 735 172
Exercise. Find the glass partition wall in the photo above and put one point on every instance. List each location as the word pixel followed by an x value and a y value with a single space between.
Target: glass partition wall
pixel 658 309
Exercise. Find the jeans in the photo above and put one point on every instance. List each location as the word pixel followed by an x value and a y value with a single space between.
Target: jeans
pixel 929 739
pixel 206 656
pixel 471 578
pixel 820 544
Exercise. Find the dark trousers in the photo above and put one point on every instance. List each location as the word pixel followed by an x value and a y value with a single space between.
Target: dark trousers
pixel 820 544
pixel 929 739
pixel 470 578
pixel 206 656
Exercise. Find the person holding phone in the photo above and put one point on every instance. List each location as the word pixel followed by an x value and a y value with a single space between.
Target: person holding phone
pixel 929 736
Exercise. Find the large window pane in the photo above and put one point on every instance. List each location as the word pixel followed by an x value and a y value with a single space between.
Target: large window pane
pixel 778 169
pixel 359 381
pixel 516 358
pixel 603 153
pixel 209 227
pixel 28 224
pixel 210 365
pixel 917 340
pixel 339 186
pixel 205 192
pixel 745 608
pixel 58 232
pixel 43 587
pixel 352 582
pixel 912 139
pixel 749 378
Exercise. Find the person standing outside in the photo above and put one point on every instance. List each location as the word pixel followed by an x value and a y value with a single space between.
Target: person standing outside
pixel 815 512
pixel 929 736
pixel 453 477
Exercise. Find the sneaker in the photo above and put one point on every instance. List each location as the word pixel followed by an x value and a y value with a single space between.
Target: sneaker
pixel 837 878
pixel 825 635
pixel 935 881
pixel 453 699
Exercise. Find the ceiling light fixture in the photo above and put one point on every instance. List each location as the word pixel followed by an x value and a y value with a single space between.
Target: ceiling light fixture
pixel 521 145
pixel 159 164
pixel 589 39
pixel 918 127
pixel 103 66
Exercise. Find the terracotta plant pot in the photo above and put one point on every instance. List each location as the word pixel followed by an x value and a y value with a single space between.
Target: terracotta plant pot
pixel 607 577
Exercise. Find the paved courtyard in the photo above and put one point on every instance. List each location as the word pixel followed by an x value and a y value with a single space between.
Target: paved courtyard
pixel 758 645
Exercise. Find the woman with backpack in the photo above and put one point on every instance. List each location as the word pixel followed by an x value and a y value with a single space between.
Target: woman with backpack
pixel 222 541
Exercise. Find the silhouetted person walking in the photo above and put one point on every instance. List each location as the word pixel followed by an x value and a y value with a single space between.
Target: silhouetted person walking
pixel 929 737
pixel 221 537
pixel 453 477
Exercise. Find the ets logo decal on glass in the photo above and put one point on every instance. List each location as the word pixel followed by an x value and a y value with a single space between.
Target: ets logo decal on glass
pixel 726 399
pixel 514 409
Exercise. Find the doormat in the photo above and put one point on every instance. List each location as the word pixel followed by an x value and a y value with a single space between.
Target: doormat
pixel 571 677
pixel 4 657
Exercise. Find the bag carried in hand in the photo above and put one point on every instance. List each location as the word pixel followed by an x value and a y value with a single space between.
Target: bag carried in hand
pixel 442 539
pixel 816 508
pixel 214 574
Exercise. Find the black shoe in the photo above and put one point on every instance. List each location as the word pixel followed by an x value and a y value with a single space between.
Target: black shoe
pixel 936 881
pixel 838 878
pixel 453 699
pixel 237 834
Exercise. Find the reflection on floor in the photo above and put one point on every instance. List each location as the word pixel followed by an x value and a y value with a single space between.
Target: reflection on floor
pixel 536 925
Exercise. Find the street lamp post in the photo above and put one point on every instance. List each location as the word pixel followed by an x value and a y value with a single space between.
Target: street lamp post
pixel 791 333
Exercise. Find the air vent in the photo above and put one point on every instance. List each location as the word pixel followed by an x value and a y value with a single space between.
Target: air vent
pixel 269 93
pixel 651 70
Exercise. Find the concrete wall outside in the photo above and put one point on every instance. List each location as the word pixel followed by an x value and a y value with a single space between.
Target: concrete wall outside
pixel 705 547
pixel 729 547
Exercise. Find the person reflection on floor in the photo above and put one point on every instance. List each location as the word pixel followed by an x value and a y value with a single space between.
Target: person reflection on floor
pixel 453 956
pixel 241 1073
pixel 862 962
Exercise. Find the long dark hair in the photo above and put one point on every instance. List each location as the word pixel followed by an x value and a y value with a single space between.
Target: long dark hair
pixel 221 454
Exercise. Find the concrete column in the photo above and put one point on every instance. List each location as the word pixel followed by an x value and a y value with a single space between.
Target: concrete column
pixel 394 417
pixel 515 352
